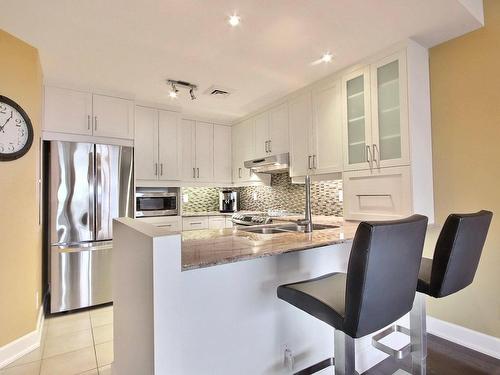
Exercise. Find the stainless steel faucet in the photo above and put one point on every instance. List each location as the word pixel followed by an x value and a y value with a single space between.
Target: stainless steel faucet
pixel 307 222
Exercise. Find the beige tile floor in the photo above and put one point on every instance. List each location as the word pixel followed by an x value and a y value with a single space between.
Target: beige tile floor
pixel 72 344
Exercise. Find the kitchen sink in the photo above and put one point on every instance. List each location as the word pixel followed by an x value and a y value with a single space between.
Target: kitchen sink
pixel 284 228
pixel 264 230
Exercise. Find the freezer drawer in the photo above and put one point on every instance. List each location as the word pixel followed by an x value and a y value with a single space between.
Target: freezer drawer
pixel 80 276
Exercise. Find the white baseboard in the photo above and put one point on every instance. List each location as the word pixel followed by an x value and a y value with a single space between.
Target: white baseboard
pixel 23 345
pixel 469 338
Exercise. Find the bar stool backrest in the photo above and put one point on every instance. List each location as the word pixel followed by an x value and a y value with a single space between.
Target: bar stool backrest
pixel 382 273
pixel 457 252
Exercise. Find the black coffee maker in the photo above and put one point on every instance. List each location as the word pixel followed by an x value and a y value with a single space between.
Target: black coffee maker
pixel 228 201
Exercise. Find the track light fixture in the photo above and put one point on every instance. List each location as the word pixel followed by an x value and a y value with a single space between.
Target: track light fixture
pixel 174 84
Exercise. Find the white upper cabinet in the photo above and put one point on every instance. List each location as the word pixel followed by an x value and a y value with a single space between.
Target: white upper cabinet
pixel 168 149
pixel 197 155
pixel 113 117
pixel 67 111
pixel 279 130
pixel 156 144
pixel 390 142
pixel 188 169
pixel 242 149
pixel 222 153
pixel 375 115
pixel 146 143
pixel 300 135
pixel 271 132
pixel 356 119
pixel 261 126
pixel 204 151
pixel 316 132
pixel 327 129
pixel 76 112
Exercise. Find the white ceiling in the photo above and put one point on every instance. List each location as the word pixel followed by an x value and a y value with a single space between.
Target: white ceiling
pixel 132 46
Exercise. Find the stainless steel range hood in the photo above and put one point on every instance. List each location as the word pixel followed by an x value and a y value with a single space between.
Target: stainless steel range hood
pixel 269 164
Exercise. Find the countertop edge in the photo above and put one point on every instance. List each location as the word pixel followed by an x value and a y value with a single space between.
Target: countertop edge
pixel 264 255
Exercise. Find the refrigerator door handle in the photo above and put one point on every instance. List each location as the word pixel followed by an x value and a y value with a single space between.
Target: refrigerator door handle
pixel 98 195
pixel 91 182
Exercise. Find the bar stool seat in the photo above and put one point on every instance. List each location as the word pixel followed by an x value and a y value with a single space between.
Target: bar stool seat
pixel 323 297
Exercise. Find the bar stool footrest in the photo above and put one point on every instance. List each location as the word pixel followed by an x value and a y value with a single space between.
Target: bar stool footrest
pixel 396 353
pixel 317 367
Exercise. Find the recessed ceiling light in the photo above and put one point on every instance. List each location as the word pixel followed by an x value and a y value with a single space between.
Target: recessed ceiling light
pixel 234 20
pixel 327 57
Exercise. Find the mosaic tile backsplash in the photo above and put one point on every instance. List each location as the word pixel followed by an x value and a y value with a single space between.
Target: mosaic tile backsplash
pixel 281 195
pixel 200 199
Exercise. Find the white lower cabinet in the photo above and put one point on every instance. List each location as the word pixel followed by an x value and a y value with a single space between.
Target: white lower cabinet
pixel 195 222
pixel 229 222
pixel 216 222
pixel 381 194
pixel 171 223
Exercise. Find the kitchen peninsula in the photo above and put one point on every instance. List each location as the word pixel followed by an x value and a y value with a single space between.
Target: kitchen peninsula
pixel 205 301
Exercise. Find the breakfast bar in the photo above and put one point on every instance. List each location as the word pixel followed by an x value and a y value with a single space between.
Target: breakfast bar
pixel 205 301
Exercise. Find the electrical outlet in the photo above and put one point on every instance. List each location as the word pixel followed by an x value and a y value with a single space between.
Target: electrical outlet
pixel 254 195
pixel 288 359
pixel 341 195
pixel 185 198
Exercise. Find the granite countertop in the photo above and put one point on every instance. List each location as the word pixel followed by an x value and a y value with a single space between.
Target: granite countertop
pixel 210 247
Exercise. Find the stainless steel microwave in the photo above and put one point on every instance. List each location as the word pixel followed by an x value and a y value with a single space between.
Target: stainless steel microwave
pixel 156 203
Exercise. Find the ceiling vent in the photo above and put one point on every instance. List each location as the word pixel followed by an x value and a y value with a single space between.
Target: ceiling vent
pixel 218 92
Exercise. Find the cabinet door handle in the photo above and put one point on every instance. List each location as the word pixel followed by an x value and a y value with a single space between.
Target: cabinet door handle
pixel 369 156
pixel 161 169
pixel 198 172
pixel 88 122
pixel 309 162
pixel 376 159
pixel 239 172
pixel 194 172
pixel 156 169
pixel 95 123
pixel 196 223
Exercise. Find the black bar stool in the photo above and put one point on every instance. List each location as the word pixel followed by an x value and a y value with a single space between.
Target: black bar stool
pixel 453 267
pixel 378 289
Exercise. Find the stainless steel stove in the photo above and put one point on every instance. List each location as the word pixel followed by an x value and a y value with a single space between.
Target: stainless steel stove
pixel 258 218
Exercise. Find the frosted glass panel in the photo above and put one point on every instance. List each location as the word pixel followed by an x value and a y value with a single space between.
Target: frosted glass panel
pixel 389 119
pixel 356 120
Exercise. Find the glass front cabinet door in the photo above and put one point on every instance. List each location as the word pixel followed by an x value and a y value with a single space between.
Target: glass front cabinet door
pixel 390 143
pixel 375 115
pixel 357 120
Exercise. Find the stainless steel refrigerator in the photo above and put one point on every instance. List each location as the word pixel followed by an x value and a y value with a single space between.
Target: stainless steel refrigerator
pixel 89 186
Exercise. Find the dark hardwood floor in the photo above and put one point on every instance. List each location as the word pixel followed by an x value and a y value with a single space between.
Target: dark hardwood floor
pixel 444 358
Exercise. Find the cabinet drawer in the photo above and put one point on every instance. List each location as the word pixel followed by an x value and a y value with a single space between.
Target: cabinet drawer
pixel 172 223
pixel 192 223
pixel 379 195
pixel 216 222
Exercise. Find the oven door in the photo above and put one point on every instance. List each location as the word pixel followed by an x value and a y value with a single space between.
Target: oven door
pixel 156 204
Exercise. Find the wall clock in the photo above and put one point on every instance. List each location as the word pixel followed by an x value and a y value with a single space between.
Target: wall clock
pixel 16 130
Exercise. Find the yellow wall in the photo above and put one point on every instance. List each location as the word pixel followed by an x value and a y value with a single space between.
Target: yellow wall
pixel 465 95
pixel 20 234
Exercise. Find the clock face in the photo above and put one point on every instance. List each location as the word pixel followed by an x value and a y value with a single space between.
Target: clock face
pixel 16 131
